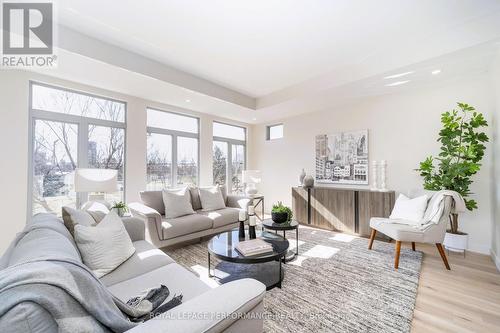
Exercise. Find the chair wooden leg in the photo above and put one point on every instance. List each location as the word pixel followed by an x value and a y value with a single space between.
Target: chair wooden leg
pixel 372 237
pixel 443 255
pixel 413 246
pixel 396 255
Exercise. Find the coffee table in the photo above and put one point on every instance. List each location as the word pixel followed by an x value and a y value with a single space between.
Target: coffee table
pixel 289 225
pixel 222 246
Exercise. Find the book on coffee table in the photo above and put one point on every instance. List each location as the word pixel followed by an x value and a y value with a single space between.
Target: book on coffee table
pixel 253 247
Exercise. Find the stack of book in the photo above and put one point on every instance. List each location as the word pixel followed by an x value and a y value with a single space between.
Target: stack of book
pixel 254 247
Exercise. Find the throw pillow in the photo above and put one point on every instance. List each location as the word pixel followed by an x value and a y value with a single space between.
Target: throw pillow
pixel 72 217
pixel 177 203
pixel 105 246
pixel 409 209
pixel 96 209
pixel 211 198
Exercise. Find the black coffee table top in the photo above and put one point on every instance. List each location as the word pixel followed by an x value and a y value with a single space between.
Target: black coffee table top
pixel 223 245
pixel 289 225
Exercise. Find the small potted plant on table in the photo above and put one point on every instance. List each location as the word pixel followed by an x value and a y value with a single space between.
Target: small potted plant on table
pixel 120 208
pixel 281 213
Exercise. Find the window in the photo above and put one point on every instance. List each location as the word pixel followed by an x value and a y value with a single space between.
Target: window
pixel 172 156
pixel 229 151
pixel 69 130
pixel 275 132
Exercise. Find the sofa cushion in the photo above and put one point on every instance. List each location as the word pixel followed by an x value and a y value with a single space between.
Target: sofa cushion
pixel 397 231
pixel 105 246
pixel 211 198
pixel 145 259
pixel 153 199
pixel 195 197
pixel 97 209
pixel 222 217
pixel 184 225
pixel 72 217
pixel 177 203
pixel 178 280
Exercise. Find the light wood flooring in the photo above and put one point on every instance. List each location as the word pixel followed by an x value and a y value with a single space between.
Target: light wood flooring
pixel 465 299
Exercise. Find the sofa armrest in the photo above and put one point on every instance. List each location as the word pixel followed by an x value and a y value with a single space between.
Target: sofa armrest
pixel 152 219
pixel 212 311
pixel 135 228
pixel 238 201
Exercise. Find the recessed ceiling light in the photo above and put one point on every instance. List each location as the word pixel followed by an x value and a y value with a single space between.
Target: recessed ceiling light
pixel 436 72
pixel 254 119
pixel 397 83
pixel 188 101
pixel 398 75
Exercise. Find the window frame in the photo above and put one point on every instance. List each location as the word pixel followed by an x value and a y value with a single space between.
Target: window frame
pixel 175 134
pixel 230 142
pixel 82 124
pixel 268 131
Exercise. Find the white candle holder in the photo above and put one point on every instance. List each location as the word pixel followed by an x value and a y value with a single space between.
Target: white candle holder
pixel 383 170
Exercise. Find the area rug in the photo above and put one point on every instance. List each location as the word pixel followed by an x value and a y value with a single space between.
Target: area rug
pixel 335 285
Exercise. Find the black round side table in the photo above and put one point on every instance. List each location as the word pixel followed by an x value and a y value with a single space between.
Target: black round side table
pixel 290 225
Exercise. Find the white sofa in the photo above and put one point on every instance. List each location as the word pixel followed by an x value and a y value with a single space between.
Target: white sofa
pixel 203 309
pixel 161 231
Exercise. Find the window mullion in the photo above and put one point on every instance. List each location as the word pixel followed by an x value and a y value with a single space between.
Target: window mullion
pixel 174 161
pixel 229 167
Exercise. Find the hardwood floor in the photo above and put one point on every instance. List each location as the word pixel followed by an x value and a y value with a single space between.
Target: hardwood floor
pixel 464 299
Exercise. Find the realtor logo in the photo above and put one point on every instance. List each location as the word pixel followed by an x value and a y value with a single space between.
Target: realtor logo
pixel 28 34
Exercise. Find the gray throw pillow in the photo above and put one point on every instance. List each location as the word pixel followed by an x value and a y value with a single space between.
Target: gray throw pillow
pixel 211 198
pixel 72 217
pixel 98 210
pixel 105 246
pixel 177 203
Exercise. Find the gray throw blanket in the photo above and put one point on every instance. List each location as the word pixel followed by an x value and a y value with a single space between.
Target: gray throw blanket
pixel 76 299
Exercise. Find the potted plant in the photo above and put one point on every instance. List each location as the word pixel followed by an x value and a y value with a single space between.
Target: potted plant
pixel 281 213
pixel 462 149
pixel 120 208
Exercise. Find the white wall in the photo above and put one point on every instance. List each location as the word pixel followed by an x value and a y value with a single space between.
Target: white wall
pixel 495 190
pixel 14 138
pixel 403 129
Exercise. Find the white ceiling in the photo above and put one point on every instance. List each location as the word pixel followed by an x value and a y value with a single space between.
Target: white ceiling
pixel 285 55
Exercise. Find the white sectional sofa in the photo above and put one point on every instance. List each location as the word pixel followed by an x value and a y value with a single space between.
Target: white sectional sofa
pixel 203 309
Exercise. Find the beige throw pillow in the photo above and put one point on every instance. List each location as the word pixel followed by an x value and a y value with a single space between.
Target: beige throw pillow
pixel 177 203
pixel 211 198
pixel 105 246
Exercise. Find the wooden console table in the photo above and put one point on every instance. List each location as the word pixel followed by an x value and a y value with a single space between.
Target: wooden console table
pixel 338 209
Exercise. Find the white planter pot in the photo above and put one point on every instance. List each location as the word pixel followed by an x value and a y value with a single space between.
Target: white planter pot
pixel 456 242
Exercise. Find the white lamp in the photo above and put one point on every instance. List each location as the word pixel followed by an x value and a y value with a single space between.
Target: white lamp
pixel 250 178
pixel 96 180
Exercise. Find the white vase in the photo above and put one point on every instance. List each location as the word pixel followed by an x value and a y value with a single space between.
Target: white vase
pixel 301 177
pixel 456 242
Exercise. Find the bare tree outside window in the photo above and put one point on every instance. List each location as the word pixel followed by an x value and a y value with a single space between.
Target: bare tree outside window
pixel 55 143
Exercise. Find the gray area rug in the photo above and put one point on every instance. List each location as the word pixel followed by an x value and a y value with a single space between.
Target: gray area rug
pixel 335 285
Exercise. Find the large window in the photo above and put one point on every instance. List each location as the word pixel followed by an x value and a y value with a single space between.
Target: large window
pixel 172 156
pixel 69 130
pixel 229 151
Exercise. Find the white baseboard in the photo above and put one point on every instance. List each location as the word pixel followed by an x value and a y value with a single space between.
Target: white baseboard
pixel 496 259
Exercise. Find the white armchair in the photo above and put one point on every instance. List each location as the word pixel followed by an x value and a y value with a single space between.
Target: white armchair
pixel 405 233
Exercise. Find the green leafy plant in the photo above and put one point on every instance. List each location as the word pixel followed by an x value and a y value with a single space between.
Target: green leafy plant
pixel 462 149
pixel 120 205
pixel 280 208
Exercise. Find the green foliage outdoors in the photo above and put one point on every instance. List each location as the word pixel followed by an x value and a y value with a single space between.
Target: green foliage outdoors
pixel 462 149
pixel 280 208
